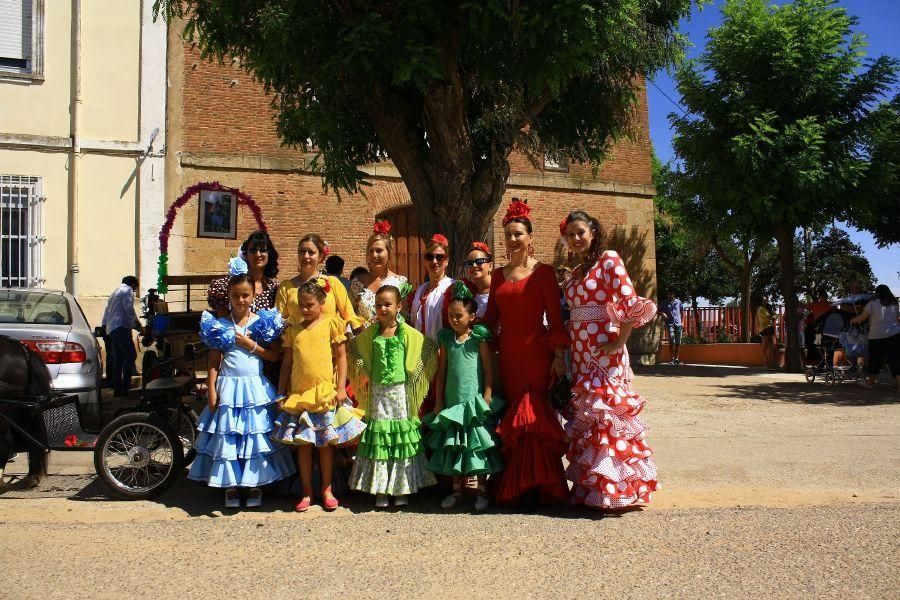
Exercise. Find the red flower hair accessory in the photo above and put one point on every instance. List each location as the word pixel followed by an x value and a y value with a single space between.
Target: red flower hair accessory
pixel 327 248
pixel 440 240
pixel 481 246
pixel 382 227
pixel 562 226
pixel 517 210
pixel 322 282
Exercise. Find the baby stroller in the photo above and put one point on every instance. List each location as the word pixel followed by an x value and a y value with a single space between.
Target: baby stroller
pixel 832 331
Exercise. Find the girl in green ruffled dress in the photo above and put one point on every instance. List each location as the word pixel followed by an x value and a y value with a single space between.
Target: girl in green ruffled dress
pixel 461 445
pixel 390 366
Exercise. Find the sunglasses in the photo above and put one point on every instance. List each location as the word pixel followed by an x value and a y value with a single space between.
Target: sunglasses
pixel 476 262
pixel 435 257
pixel 257 250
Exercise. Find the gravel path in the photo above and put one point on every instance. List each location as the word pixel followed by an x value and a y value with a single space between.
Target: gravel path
pixel 772 488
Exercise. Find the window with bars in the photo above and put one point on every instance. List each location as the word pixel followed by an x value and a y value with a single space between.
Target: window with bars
pixel 21 231
pixel 21 38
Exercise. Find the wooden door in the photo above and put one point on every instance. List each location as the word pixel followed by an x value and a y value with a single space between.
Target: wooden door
pixel 408 246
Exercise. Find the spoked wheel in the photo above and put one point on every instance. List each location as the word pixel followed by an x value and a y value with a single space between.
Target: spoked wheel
pixel 829 378
pixel 184 421
pixel 810 374
pixel 138 456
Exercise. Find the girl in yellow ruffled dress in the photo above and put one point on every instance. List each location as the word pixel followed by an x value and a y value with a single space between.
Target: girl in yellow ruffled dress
pixel 316 412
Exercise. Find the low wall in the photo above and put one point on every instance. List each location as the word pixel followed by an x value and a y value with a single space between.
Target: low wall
pixel 743 355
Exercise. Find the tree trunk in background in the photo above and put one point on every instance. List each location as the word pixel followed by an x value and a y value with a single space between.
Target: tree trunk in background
pixel 793 360
pixel 745 305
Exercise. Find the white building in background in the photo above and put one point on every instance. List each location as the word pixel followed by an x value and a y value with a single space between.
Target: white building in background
pixel 82 128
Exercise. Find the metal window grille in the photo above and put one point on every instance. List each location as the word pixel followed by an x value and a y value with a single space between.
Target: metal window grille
pixel 21 231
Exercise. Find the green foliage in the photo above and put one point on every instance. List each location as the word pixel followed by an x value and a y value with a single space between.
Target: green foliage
pixel 829 262
pixel 779 107
pixel 442 86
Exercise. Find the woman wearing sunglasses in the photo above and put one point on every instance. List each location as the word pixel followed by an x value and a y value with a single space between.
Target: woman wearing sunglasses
pixel 262 264
pixel 478 265
pixel 531 358
pixel 428 311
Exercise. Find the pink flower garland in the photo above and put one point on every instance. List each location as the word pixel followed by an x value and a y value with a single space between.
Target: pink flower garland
pixel 189 193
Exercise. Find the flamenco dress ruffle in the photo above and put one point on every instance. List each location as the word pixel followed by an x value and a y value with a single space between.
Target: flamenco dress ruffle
pixel 321 425
pixel 233 448
pixel 532 443
pixel 459 441
pixel 609 458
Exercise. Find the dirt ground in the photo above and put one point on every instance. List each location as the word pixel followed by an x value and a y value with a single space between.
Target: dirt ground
pixel 770 486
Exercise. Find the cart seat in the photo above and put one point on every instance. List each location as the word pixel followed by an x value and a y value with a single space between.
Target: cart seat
pixel 167 386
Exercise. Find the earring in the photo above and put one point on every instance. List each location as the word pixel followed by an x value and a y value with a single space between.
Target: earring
pixel 530 250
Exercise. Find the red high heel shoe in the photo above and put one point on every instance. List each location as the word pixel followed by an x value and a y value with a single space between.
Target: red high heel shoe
pixel 329 502
pixel 305 501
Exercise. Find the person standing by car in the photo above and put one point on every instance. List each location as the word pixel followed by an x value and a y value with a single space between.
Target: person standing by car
pixel 119 319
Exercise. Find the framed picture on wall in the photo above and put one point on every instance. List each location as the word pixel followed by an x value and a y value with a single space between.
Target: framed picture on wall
pixel 218 215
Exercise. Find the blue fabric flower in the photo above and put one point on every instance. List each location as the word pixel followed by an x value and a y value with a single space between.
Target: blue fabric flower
pixel 215 334
pixel 237 266
pixel 267 327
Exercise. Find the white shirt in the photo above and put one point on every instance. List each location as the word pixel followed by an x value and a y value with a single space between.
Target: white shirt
pixel 120 309
pixel 882 320
pixel 432 309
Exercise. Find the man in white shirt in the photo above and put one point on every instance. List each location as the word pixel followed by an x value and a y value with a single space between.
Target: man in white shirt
pixel 119 319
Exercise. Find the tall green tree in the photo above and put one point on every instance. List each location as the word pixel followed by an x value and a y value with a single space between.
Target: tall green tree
pixel 445 88
pixel 781 124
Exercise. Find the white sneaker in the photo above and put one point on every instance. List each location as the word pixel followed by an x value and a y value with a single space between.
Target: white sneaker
pixel 401 500
pixel 382 501
pixel 481 503
pixel 254 498
pixel 451 500
pixel 232 498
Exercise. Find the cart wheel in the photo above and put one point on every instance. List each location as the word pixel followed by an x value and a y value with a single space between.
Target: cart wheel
pixel 184 421
pixel 138 456
pixel 810 374
pixel 828 377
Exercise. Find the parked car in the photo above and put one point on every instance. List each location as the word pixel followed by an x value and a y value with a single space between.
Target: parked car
pixel 51 323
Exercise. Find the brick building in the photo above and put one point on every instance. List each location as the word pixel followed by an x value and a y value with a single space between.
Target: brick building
pixel 220 128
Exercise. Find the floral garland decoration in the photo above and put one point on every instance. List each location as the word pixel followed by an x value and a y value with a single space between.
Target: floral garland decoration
pixel 166 230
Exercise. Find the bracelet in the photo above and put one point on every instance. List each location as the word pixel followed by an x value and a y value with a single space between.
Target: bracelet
pixel 253 349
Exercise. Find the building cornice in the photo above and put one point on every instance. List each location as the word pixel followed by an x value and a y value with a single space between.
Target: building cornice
pixel 257 162
pixel 56 143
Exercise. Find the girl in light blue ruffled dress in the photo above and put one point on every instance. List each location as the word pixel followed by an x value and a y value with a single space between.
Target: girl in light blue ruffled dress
pixel 233 448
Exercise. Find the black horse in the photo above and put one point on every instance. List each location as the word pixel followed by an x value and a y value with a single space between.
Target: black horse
pixel 22 374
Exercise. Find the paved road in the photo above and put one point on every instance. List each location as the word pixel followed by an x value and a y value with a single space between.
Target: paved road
pixel 772 488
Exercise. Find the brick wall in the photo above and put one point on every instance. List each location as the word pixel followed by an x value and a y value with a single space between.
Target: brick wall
pixel 225 113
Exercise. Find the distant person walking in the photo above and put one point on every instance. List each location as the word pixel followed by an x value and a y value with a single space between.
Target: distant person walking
pixel 671 310
pixel 119 320
pixel 765 324
pixel 884 334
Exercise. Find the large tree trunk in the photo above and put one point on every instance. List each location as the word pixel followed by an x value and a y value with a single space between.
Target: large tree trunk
pixel 784 236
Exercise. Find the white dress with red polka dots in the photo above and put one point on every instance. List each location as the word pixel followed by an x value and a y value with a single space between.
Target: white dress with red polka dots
pixel 609 459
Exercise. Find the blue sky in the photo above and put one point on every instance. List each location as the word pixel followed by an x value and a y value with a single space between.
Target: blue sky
pixel 878 19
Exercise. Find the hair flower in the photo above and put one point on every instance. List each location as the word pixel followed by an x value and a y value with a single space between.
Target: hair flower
pixel 461 290
pixel 483 247
pixel 440 240
pixel 327 248
pixel 322 282
pixel 382 227
pixel 405 289
pixel 562 226
pixel 237 266
pixel 517 210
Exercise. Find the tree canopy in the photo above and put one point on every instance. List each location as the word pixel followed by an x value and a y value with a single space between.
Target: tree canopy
pixel 785 122
pixel 445 89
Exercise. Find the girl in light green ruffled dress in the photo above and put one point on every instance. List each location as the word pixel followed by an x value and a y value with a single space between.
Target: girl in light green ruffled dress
pixel 461 445
pixel 390 366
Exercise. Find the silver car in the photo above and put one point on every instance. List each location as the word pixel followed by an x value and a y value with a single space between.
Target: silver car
pixel 52 324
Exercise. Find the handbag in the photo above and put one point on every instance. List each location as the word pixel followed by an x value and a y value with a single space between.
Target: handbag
pixel 561 392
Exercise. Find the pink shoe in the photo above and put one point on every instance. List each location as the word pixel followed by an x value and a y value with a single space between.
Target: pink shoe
pixel 329 502
pixel 305 501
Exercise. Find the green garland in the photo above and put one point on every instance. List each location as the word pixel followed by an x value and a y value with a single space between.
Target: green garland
pixel 162 272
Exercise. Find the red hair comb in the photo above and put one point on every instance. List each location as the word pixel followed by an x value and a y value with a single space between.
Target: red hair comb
pixel 382 227
pixel 517 210
pixel 440 240
pixel 481 246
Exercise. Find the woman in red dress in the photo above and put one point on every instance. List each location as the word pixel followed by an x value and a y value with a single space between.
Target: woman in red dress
pixel 531 358
pixel 609 459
